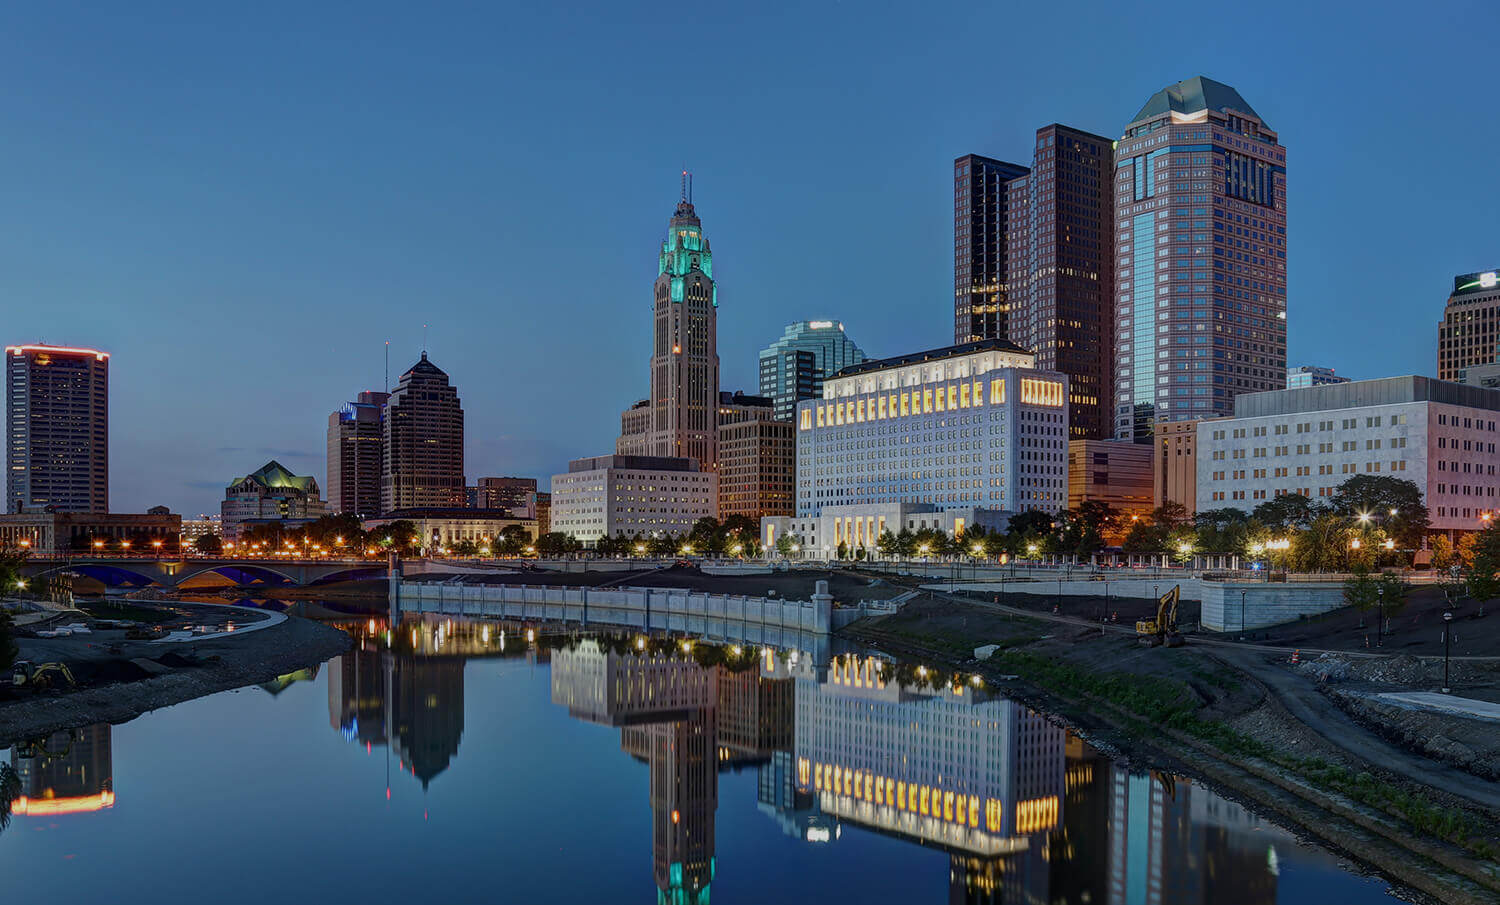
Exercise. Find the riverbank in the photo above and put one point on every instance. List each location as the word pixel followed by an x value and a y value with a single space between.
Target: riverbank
pixel 1218 718
pixel 123 687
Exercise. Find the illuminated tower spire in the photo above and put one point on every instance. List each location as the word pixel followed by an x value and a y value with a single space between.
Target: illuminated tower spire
pixel 680 417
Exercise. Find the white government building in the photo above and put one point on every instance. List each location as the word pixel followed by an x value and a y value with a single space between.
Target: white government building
pixel 946 438
pixel 1439 435
pixel 603 496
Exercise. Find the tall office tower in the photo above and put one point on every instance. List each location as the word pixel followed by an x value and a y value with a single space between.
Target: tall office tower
pixel 1060 269
pixel 356 455
pixel 1200 258
pixel 757 458
pixel 515 495
pixel 793 367
pixel 980 200
pixel 1470 329
pixel 58 450
pixel 683 406
pixel 424 442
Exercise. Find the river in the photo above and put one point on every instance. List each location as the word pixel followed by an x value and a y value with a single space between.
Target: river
pixel 453 761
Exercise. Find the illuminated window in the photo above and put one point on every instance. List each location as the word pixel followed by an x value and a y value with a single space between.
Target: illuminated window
pixel 963 396
pixel 952 396
pixel 997 391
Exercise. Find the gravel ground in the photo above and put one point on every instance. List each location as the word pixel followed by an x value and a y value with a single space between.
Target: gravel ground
pixel 241 660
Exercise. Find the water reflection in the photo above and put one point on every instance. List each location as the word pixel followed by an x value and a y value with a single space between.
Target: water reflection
pixel 67 772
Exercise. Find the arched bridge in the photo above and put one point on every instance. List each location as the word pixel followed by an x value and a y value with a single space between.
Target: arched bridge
pixel 139 571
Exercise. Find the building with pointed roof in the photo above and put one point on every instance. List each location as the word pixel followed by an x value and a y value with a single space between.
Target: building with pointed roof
pixel 680 417
pixel 423 435
pixel 271 493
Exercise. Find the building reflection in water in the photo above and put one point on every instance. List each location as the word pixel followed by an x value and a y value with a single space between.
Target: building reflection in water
pixel 405 690
pixel 68 772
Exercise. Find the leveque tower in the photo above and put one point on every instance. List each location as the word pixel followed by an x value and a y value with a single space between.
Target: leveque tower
pixel 680 418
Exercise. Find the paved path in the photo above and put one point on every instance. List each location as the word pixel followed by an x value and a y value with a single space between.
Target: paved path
pixel 268 619
pixel 1443 703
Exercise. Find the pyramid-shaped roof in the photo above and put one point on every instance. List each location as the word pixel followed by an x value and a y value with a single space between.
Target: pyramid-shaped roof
pixel 1194 95
pixel 424 366
pixel 273 474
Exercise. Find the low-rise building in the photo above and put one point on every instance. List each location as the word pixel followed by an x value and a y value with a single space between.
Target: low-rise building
pixel 1116 472
pixel 757 458
pixel 202 526
pixel 1311 376
pixel 442 528
pixel 603 496
pixel 1175 469
pixel 962 427
pixel 859 527
pixel 58 533
pixel 1439 435
pixel 271 493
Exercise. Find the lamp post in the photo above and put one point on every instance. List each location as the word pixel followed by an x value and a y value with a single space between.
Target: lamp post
pixel 1447 640
pixel 1380 617
pixel 1242 614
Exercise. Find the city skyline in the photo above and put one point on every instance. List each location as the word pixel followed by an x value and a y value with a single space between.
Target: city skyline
pixel 225 225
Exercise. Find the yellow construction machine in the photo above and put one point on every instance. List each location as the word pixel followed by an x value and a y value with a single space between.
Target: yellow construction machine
pixel 40 675
pixel 1162 631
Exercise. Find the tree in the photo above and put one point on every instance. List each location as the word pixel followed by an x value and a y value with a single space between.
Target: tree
pixel 885 545
pixel 1361 591
pixel 209 544
pixel 1482 585
pixel 1222 530
pixel 843 550
pixel 555 543
pixel 1287 512
pixel 10 791
pixel 1172 515
pixel 8 649
pixel 1097 515
pixel 1395 503
pixel 786 542
pixel 1443 557
pixel 706 536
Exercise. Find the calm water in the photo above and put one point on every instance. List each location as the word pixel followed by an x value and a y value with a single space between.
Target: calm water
pixel 436 767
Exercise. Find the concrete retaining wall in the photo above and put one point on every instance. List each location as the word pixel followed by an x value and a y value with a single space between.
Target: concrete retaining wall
pixel 754 619
pixel 1144 588
pixel 1265 604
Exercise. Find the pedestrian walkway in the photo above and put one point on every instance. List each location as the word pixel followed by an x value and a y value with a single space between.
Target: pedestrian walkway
pixel 1443 703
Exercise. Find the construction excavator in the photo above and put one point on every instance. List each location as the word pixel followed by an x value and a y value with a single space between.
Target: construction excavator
pixel 1162 631
pixel 39 676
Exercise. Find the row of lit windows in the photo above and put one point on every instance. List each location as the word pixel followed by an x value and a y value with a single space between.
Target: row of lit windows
pixel 956 396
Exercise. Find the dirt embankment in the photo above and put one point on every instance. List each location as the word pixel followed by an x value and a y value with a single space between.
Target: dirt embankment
pixel 221 665
pixel 1190 711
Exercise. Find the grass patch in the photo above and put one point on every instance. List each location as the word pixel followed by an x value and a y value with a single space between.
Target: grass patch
pixel 127 612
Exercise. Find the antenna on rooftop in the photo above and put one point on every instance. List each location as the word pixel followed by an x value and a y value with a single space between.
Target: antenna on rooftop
pixel 386 386
pixel 684 185
pixel 424 340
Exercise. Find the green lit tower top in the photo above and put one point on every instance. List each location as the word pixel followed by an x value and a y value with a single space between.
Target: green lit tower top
pixel 680 418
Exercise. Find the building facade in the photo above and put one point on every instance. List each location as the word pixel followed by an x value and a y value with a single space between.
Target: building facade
pixel 439 529
pixel 1200 246
pixel 1115 472
pixel 423 440
pixel 53 533
pixel 794 366
pixel 1470 331
pixel 959 427
pixel 57 449
pixel 356 455
pixel 1060 269
pixel 514 495
pixel 859 527
pixel 680 416
pixel 270 493
pixel 1311 376
pixel 980 221
pixel 1439 435
pixel 604 496
pixel 757 458
pixel 1175 469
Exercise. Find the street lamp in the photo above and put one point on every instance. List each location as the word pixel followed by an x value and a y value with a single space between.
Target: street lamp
pixel 1242 615
pixel 1447 637
pixel 1380 617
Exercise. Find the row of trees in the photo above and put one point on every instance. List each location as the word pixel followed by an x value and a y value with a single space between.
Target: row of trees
pixel 1368 522
pixel 736 535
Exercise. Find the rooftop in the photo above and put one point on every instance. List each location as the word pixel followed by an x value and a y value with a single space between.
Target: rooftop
pixel 639 463
pixel 1195 95
pixel 1360 393
pixel 275 475
pixel 946 352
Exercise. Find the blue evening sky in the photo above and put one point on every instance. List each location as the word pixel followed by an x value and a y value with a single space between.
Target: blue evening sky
pixel 244 203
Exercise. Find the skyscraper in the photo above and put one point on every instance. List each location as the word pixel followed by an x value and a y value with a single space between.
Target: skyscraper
pixel 1470 332
pixel 980 206
pixel 680 416
pixel 1200 255
pixel 423 439
pixel 793 367
pixel 57 454
pixel 356 455
pixel 1060 268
